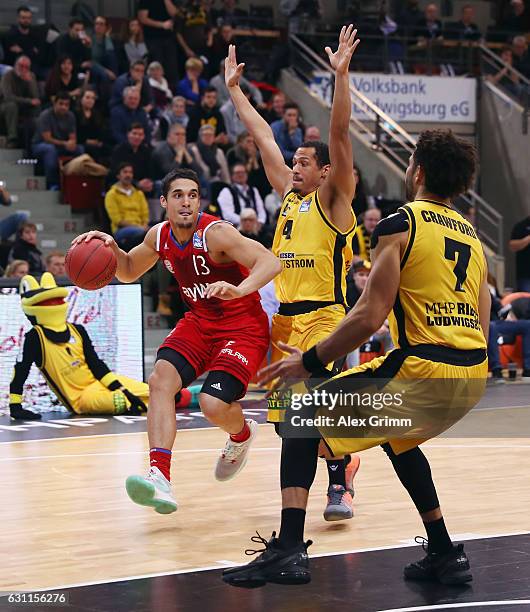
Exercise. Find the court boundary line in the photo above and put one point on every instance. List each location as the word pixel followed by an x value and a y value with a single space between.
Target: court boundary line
pixel 218 567
pixel 463 604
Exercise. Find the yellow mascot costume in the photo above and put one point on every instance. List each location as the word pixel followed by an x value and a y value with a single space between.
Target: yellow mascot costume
pixel 64 354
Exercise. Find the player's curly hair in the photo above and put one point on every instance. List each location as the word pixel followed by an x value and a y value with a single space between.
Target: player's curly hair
pixel 449 163
pixel 321 151
pixel 179 173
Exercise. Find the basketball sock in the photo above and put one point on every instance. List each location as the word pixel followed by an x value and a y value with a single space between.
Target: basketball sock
pixel 243 435
pixel 439 540
pixel 292 528
pixel 161 459
pixel 336 472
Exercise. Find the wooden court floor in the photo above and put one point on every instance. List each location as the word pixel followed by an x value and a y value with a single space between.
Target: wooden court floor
pixel 66 518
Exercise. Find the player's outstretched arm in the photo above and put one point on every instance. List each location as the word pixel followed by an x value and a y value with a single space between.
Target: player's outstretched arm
pixel 133 264
pixel 278 174
pixel 338 190
pixel 225 240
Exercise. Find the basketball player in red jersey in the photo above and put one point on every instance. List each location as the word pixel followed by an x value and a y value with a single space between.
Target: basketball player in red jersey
pixel 225 332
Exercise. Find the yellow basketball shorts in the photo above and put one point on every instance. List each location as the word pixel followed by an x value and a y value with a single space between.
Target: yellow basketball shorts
pixel 302 331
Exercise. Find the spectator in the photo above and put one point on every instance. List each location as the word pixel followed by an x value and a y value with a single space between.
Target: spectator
pixel 18 268
pixel 63 78
pixel 103 51
pixel 429 27
pixel 517 323
pixel 55 263
pixel 222 39
pixel 303 15
pixel 91 127
pixel 194 33
pixel 466 29
pixel 156 17
pixel 207 114
pixel 192 86
pixel 363 234
pixel 10 224
pixel 239 195
pixel 176 114
pixel 138 154
pixel 409 17
pixel 218 81
pixel 134 45
pixel 246 153
pixel 521 57
pixel 250 227
pixel 55 135
pixel 276 111
pixel 75 44
pixel 25 247
pixel 230 14
pixel 127 209
pixel 209 157
pixel 123 116
pixel 505 77
pixel 312 132
pixel 173 153
pixel 356 281
pixel 160 91
pixel 360 201
pixel 134 78
pixel 20 99
pixel 517 19
pixel 520 245
pixel 21 38
pixel 287 132
pixel 233 124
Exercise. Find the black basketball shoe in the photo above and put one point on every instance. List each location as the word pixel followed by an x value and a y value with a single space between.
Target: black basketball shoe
pixel 273 565
pixel 17 413
pixel 449 568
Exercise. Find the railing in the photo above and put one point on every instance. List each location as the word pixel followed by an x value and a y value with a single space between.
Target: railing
pixel 388 138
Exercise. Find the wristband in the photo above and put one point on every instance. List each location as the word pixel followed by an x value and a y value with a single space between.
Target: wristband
pixel 311 360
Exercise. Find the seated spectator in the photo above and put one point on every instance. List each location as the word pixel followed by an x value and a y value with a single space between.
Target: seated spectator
pixel 506 77
pixel 173 153
pixel 92 132
pixel 209 157
pixel 429 27
pixel 193 29
pixel 134 78
pixel 466 28
pixel 312 132
pixel 25 247
pixel 20 99
pixel 21 39
pixel 218 81
pixel 229 13
pixel 233 124
pixel 160 91
pixel 239 195
pixel 520 245
pixel 10 224
pixel 360 201
pixel 122 116
pixel 176 114
pixel 517 19
pixel 55 135
pixel 192 86
pixel 63 78
pixel 136 152
pixel 55 263
pixel 127 209
pixel 287 132
pixel 245 152
pixel 207 114
pixel 18 268
pixel 276 111
pixel 103 51
pixel 75 44
pixel 134 45
pixel 250 227
pixel 521 56
pixel 363 234
pixel 356 281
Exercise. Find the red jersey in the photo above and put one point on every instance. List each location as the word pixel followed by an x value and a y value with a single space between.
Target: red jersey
pixel 194 270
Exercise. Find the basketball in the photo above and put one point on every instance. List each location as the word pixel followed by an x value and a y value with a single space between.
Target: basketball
pixel 91 265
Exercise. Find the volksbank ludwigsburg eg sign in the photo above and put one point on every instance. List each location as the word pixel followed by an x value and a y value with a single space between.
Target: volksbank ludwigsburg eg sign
pixel 410 97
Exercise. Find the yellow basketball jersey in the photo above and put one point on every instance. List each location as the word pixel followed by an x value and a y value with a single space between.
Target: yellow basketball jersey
pixel 64 366
pixel 442 270
pixel 315 255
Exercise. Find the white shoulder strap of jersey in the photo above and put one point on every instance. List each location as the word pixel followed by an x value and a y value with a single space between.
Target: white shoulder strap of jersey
pixel 207 228
pixel 158 232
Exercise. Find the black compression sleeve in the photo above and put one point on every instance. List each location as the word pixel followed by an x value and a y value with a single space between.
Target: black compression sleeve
pixel 394 224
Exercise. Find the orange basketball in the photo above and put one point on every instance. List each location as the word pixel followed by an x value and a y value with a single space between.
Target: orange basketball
pixel 91 265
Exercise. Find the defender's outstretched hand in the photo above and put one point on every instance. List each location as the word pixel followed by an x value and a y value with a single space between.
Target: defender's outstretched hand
pixel 340 60
pixel 233 70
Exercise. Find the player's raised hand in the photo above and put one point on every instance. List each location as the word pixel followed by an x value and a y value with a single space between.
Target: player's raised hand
pixel 290 368
pixel 340 60
pixel 87 236
pixel 223 291
pixel 233 70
